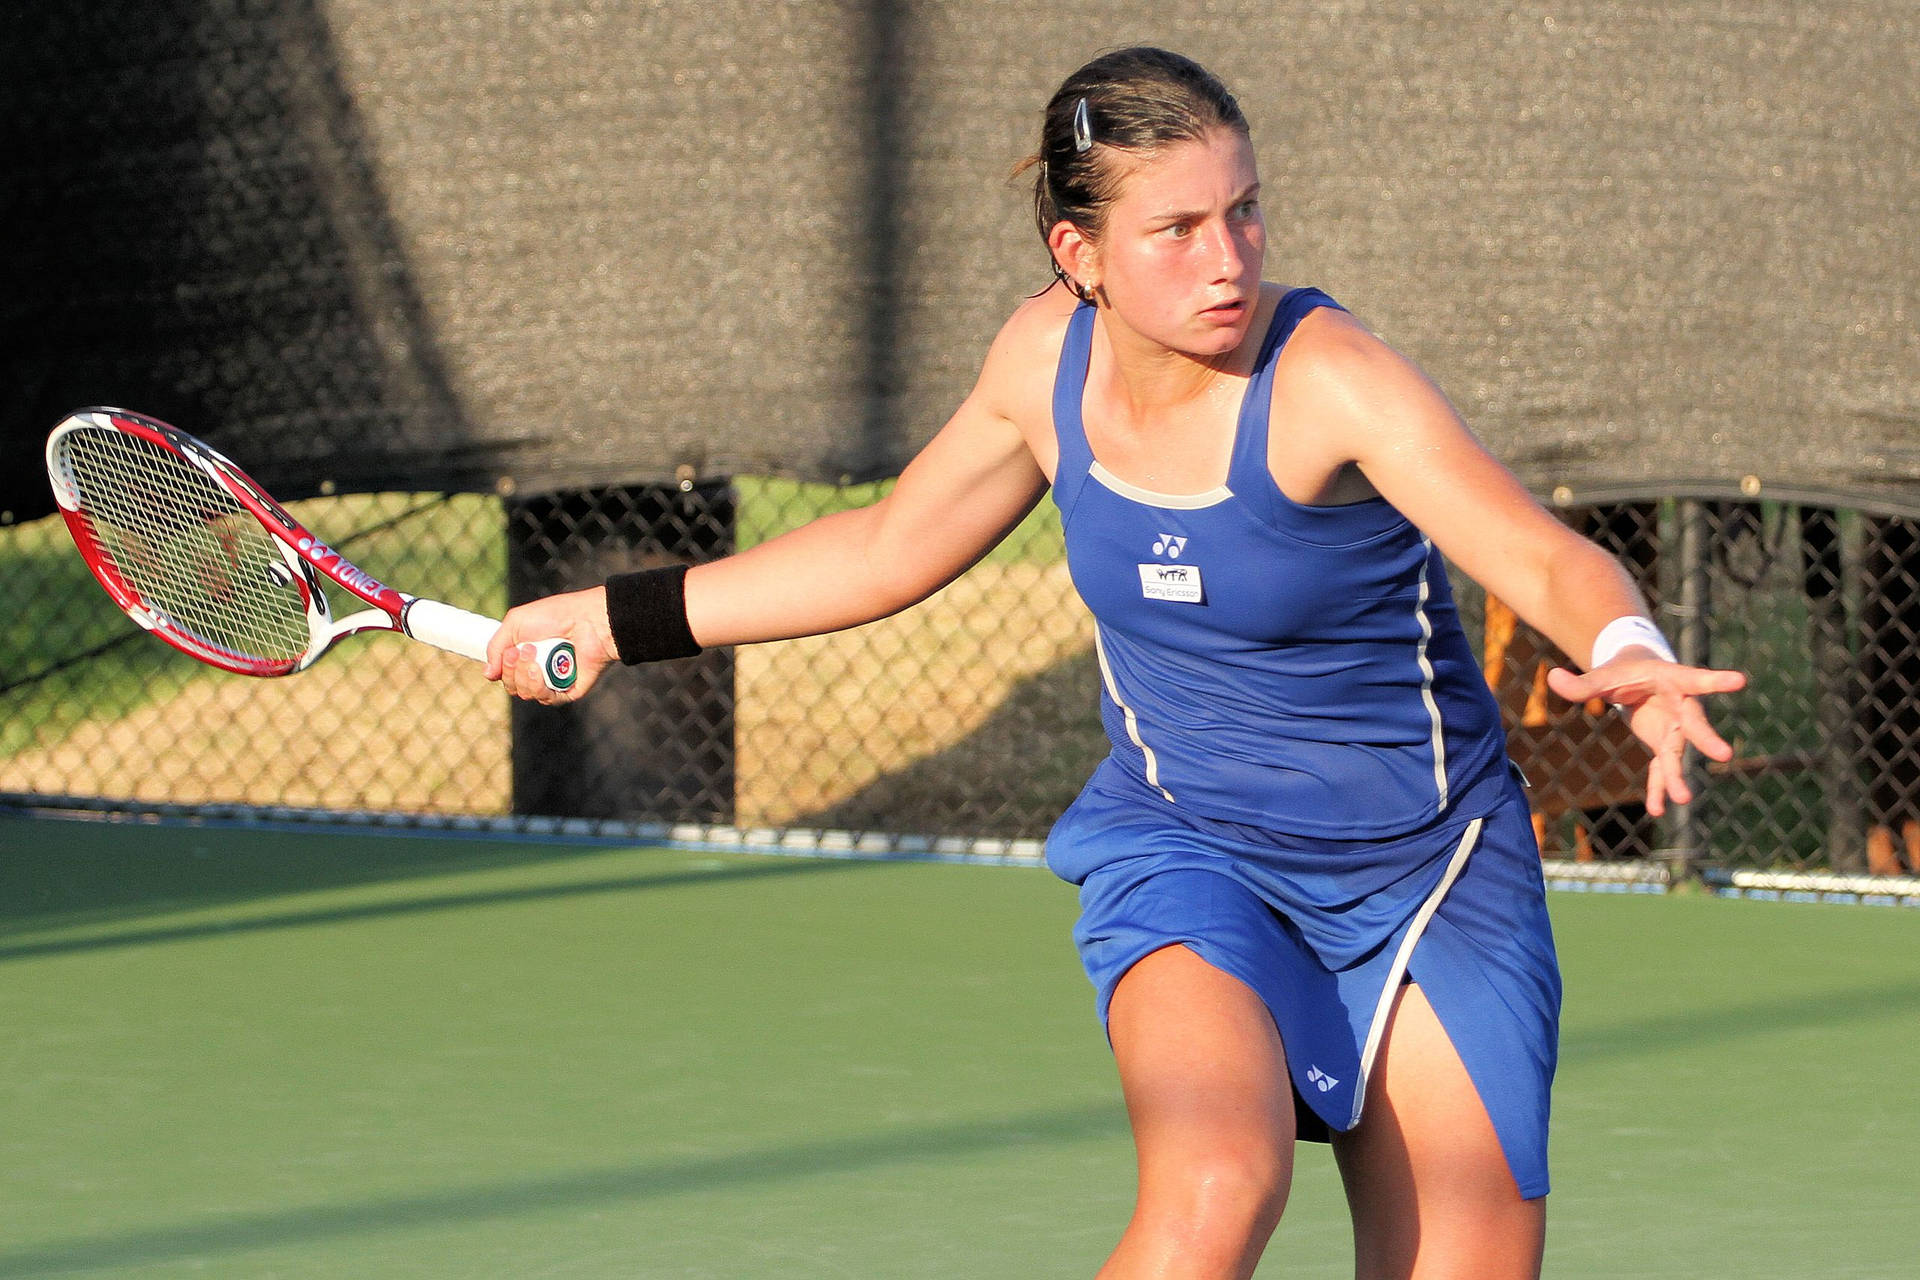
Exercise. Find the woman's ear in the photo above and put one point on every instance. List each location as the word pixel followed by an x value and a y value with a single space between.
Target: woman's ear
pixel 1075 255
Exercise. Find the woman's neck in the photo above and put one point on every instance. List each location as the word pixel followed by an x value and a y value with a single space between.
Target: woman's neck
pixel 1146 381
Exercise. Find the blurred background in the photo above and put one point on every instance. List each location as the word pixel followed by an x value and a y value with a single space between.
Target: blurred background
pixel 511 296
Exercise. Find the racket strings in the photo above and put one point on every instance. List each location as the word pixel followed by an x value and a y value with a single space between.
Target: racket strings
pixel 199 560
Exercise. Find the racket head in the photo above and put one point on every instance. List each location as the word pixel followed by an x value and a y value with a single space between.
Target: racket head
pixel 186 544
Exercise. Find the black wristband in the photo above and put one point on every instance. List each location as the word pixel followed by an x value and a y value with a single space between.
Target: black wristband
pixel 647 612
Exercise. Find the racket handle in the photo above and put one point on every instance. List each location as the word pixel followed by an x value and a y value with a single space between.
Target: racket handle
pixel 467 634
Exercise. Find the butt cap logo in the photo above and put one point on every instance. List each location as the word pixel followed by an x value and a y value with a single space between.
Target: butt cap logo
pixel 562 669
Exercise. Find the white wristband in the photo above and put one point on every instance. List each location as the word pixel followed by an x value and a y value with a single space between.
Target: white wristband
pixel 1622 632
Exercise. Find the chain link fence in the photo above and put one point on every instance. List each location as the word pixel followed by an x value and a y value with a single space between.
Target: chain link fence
pixel 972 716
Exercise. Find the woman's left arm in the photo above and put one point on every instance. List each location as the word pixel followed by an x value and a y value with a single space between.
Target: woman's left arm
pixel 1372 405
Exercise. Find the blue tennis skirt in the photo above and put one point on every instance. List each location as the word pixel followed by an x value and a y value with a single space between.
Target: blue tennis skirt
pixel 1326 931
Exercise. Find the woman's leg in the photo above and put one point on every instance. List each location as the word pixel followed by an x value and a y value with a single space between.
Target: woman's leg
pixel 1431 1194
pixel 1212 1112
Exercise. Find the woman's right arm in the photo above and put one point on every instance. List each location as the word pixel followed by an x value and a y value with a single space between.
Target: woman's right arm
pixel 965 491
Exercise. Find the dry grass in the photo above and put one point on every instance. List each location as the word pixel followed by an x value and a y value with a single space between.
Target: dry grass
pixel 822 719
pixel 395 725
pixel 818 721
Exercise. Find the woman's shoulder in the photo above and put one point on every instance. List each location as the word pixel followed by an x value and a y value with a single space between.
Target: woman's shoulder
pixel 1329 347
pixel 1345 391
pixel 1020 364
pixel 1039 321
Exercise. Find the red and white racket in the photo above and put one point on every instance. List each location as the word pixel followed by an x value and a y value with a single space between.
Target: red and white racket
pixel 198 554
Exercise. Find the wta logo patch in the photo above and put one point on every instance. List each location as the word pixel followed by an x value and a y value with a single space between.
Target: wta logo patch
pixel 1179 583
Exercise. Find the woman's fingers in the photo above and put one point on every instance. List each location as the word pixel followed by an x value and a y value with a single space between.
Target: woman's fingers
pixel 519 675
pixel 1696 728
pixel 1662 700
pixel 1656 787
pixel 1667 771
pixel 523 675
pixel 1630 681
pixel 1572 685
pixel 578 617
pixel 1700 682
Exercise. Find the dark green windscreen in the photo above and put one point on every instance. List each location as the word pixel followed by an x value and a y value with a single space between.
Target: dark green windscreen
pixel 1643 246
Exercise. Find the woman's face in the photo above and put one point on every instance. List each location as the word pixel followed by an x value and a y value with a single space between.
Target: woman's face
pixel 1180 259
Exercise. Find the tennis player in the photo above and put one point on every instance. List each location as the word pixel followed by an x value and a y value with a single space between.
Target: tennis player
pixel 1312 901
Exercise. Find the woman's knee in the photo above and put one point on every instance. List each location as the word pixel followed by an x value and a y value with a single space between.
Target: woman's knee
pixel 1205 1079
pixel 1227 1194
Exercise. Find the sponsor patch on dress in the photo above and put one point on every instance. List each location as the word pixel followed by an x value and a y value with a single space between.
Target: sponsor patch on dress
pixel 1177 582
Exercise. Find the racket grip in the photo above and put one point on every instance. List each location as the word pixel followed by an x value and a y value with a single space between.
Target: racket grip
pixel 467 634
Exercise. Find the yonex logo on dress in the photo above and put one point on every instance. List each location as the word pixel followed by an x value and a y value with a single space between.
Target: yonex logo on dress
pixel 1321 1080
pixel 1169 546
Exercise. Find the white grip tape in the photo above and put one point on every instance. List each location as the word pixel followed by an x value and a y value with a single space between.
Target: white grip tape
pixel 467 634
pixel 455 630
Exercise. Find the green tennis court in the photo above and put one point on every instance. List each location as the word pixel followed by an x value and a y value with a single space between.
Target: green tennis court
pixel 233 1052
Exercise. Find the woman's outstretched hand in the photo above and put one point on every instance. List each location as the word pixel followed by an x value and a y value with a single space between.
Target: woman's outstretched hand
pixel 1661 701
pixel 579 616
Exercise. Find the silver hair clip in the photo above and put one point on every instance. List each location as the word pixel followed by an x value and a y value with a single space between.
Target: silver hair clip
pixel 1082 127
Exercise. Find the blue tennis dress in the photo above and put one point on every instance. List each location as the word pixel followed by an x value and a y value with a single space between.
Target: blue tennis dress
pixel 1308 783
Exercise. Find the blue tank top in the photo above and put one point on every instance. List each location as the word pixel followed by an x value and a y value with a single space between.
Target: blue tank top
pixel 1297 668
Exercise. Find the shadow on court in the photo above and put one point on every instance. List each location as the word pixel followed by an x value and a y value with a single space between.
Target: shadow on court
pixel 1706 1024
pixel 803 1161
pixel 110 876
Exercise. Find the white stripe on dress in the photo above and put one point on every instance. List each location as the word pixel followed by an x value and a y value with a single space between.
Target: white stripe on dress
pixel 1126 713
pixel 1426 682
pixel 1378 1029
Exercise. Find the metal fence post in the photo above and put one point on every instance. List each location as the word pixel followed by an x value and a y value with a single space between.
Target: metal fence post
pixel 1832 561
pixel 1685 832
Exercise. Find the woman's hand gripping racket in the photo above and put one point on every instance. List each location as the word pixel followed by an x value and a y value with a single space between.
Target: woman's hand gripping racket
pixel 196 553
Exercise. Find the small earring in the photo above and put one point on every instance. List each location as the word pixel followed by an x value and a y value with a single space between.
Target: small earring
pixel 1074 287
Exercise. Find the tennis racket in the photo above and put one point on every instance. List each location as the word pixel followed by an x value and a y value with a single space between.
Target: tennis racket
pixel 194 551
